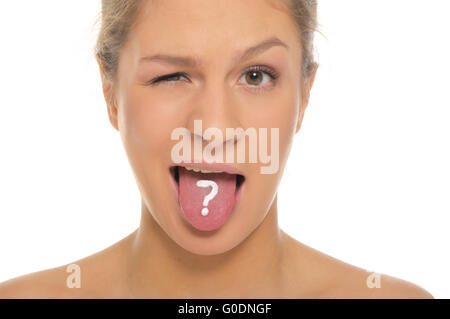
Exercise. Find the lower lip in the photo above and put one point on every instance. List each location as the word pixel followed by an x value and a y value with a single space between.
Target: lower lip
pixel 237 196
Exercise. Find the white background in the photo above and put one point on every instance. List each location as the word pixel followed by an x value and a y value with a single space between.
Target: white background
pixel 367 182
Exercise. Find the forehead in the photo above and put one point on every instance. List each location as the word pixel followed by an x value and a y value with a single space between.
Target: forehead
pixel 197 26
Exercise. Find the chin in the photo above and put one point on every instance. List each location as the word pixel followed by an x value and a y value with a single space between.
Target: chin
pixel 208 243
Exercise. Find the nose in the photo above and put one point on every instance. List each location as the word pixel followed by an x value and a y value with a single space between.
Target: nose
pixel 215 109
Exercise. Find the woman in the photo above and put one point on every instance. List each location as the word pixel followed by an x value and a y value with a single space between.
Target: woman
pixel 170 65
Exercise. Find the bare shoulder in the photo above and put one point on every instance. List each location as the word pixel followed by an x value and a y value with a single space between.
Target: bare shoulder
pixel 396 288
pixel 358 283
pixel 50 283
pixel 322 276
pixel 94 276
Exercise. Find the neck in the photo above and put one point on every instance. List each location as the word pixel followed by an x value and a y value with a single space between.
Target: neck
pixel 159 267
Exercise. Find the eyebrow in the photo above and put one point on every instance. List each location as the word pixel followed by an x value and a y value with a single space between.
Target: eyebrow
pixel 192 62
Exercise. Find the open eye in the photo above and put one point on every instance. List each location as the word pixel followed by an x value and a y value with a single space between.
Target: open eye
pixel 258 76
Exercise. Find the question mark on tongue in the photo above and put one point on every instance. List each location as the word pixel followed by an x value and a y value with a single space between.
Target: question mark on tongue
pixel 210 196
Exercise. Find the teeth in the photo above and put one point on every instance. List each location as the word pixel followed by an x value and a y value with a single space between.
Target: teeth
pixel 201 170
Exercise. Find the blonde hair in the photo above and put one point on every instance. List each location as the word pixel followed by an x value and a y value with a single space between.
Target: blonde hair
pixel 119 16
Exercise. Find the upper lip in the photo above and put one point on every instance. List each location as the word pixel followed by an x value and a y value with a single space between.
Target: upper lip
pixel 223 167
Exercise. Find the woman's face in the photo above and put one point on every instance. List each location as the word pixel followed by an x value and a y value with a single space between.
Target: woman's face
pixel 220 90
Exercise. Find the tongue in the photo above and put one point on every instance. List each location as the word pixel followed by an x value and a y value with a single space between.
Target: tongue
pixel 192 196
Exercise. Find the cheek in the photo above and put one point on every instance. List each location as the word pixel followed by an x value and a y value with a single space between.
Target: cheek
pixel 286 117
pixel 146 123
pixel 279 110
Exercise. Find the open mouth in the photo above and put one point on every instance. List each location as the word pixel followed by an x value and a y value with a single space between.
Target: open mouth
pixel 207 197
pixel 174 171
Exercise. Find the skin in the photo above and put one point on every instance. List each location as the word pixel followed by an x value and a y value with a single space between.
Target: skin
pixel 249 256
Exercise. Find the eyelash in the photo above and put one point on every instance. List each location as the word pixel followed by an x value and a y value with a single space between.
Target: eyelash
pixel 256 68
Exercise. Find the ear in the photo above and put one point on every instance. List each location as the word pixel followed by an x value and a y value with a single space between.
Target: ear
pixel 108 94
pixel 305 97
